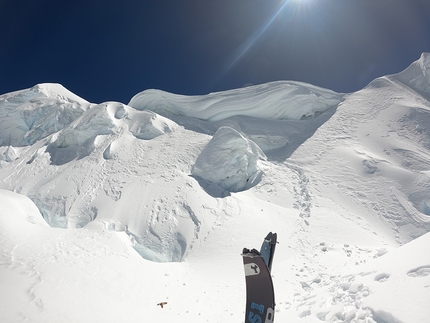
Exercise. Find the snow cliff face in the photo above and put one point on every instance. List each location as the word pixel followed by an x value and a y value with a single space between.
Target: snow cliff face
pixel 27 116
pixel 79 138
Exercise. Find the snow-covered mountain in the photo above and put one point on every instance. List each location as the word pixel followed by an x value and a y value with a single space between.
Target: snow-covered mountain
pixel 108 209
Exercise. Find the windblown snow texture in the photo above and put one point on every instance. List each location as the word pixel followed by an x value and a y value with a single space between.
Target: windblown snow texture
pixel 276 100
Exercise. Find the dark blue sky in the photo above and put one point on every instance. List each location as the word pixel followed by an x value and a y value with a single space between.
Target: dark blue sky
pixel 111 50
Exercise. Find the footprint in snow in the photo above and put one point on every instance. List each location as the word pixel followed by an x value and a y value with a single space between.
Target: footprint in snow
pixel 419 271
pixel 382 277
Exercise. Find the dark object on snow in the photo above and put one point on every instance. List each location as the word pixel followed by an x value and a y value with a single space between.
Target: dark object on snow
pixel 162 304
pixel 268 249
pixel 260 297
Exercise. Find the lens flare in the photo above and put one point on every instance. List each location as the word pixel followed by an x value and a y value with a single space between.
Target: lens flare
pixel 287 10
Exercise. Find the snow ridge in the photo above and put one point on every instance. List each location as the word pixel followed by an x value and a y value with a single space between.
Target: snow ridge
pixel 417 75
pixel 275 100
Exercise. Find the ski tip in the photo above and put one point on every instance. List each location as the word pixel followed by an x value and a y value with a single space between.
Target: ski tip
pixel 274 238
pixel 269 236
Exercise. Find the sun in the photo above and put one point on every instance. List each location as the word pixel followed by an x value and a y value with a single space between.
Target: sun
pixel 297 4
pixel 304 2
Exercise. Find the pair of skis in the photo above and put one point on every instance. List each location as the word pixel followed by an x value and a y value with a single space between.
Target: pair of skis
pixel 260 296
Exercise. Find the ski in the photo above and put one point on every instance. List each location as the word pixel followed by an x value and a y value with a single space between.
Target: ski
pixel 268 248
pixel 260 296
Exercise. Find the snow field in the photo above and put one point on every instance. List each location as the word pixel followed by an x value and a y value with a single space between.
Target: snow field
pixel 154 201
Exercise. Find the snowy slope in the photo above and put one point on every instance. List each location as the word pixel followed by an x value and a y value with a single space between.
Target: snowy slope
pixel 153 201
pixel 378 137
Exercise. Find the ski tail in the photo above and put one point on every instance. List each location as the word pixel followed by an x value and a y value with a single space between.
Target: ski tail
pixel 260 296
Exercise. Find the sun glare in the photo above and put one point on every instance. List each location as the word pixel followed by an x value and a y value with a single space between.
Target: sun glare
pixel 296 5
pixel 287 10
pixel 301 3
pixel 304 2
